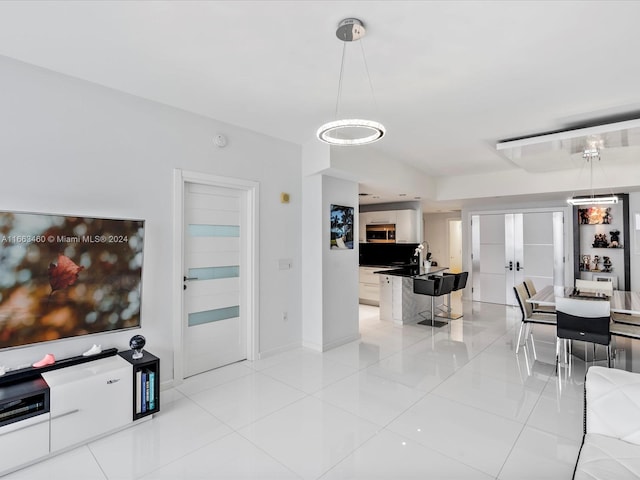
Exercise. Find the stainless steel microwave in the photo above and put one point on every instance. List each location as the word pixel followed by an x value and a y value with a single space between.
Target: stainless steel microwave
pixel 381 233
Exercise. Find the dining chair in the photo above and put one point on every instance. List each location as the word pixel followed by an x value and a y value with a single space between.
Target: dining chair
pixel 531 290
pixel 529 318
pixel 593 286
pixel 584 320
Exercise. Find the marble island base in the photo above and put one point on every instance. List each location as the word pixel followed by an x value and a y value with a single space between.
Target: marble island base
pixel 398 303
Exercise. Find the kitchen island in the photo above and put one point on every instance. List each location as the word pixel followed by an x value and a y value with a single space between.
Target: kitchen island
pixel 398 303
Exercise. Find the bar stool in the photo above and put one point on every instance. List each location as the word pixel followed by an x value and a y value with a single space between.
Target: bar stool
pixel 460 281
pixel 433 286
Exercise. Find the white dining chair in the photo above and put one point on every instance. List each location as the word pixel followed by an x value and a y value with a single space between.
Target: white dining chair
pixel 531 290
pixel 529 318
pixel 593 286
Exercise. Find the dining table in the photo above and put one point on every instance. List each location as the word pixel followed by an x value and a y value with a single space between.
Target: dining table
pixel 621 301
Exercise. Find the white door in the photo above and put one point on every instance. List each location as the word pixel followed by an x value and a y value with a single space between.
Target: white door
pixel 215 317
pixel 488 256
pixel 538 248
pixel 507 248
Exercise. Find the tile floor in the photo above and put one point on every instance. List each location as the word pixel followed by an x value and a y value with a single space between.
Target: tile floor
pixel 411 402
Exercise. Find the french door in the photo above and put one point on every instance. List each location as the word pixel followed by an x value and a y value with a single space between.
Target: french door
pixel 507 247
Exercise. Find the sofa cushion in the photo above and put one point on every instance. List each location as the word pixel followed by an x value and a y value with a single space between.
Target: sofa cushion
pixel 613 403
pixel 605 458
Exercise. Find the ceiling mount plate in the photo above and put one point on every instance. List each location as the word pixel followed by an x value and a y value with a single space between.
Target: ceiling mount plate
pixel 350 29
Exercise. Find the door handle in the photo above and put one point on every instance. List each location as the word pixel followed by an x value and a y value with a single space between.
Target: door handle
pixel 518 267
pixel 510 266
pixel 186 279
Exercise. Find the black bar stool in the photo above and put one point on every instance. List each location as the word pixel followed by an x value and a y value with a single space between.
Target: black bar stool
pixel 433 286
pixel 460 281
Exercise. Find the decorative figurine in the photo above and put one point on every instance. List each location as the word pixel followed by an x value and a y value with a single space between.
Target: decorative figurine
pixel 595 261
pixel 137 343
pixel 615 239
pixel 600 241
pixel 48 359
pixel 584 216
pixel 606 218
pixel 96 349
pixel 586 261
pixel 606 263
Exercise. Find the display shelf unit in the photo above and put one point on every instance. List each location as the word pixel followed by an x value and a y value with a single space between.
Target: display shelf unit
pixel 24 422
pixel 22 400
pixel 146 383
pixel 583 237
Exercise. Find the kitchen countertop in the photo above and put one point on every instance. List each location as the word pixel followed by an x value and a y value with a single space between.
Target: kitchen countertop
pixel 393 265
pixel 412 271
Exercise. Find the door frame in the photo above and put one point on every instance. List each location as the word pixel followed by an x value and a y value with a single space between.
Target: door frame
pixel 251 191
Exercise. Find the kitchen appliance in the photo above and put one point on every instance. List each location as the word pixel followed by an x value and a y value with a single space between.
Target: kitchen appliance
pixel 381 233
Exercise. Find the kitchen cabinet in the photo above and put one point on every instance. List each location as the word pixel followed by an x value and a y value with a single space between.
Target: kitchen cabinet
pixel 384 216
pixel 369 286
pixel 362 226
pixel 407 226
pixel 386 297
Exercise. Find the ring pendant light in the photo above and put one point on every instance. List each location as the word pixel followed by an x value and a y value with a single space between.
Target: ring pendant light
pixel 351 131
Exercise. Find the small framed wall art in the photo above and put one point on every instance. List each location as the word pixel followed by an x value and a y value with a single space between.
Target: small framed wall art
pixel 341 229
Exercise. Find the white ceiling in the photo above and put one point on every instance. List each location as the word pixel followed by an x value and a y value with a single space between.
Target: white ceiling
pixel 450 78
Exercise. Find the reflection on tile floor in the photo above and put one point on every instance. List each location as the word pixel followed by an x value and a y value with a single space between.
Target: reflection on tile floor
pixel 402 402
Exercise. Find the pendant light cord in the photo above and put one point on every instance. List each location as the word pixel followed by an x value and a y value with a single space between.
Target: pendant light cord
pixel 366 68
pixel 344 48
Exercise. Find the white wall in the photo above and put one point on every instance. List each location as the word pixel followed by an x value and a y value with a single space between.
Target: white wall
pixel 340 269
pixel 436 234
pixel 69 146
pixel 330 300
pixel 617 177
pixel 312 262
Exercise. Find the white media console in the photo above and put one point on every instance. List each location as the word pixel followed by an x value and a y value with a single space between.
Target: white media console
pixel 45 411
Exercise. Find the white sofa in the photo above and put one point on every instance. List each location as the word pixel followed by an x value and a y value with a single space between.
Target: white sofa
pixel 611 444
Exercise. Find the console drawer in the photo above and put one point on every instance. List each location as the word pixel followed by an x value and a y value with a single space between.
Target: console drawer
pixel 89 400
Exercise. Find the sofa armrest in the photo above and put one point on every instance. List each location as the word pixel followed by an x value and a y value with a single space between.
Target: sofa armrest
pixel 612 404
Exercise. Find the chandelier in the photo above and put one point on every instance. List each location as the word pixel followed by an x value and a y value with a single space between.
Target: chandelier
pixel 350 131
pixel 591 154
